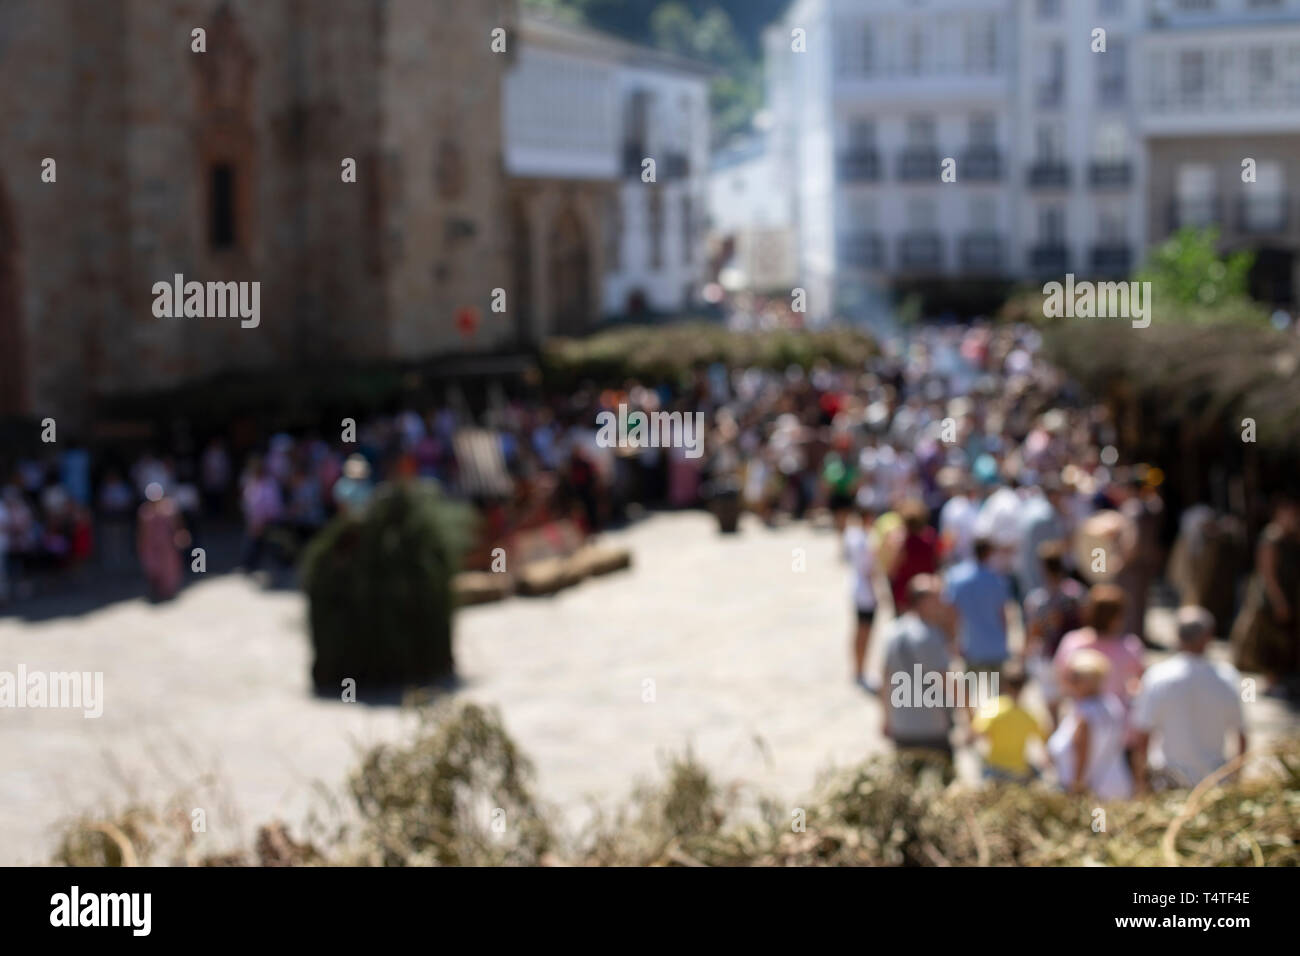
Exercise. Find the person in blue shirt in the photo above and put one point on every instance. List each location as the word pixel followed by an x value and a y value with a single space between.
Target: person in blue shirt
pixel 979 595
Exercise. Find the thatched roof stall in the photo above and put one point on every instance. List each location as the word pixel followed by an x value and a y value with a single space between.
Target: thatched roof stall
pixel 1185 397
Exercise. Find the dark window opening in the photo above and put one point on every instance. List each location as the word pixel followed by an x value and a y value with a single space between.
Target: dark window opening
pixel 222 207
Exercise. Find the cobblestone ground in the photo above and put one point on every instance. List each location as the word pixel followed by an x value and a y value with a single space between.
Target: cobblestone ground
pixel 749 661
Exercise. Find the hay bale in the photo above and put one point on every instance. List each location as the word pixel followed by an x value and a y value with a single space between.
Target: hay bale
pixel 481 587
pixel 593 560
pixel 546 576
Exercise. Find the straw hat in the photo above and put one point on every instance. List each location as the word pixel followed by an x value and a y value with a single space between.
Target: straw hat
pixel 1104 530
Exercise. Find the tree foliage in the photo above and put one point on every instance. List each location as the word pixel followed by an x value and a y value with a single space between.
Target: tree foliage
pixel 1186 270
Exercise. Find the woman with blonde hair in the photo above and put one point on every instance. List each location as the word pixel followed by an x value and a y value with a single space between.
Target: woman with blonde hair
pixel 1087 749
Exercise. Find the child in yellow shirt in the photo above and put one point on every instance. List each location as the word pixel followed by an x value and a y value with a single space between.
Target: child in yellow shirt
pixel 1007 727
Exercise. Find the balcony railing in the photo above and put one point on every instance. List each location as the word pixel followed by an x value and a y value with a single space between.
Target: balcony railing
pixel 1263 215
pixel 980 164
pixel 918 164
pixel 1049 258
pixel 1110 174
pixel 1195 213
pixel 863 250
pixel 920 251
pixel 859 166
pixel 982 252
pixel 1111 259
pixel 1049 174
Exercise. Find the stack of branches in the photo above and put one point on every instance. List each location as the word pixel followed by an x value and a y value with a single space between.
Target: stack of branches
pixel 461 793
pixel 669 354
pixel 1221 373
pixel 903 810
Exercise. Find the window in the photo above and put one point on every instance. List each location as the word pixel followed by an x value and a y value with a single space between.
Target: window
pixel 1049 9
pixel 984 130
pixel 614 233
pixel 1112 75
pixel 914 51
pixel 221 206
pixel 1112 142
pixel 1265 200
pixel 1269 179
pixel 688 231
pixel 922 215
pixel 1195 191
pixel 1051 74
pixel 862 135
pixel 1049 139
pixel 656 201
pixel 1110 8
pixel 920 132
pixel 1112 225
pixel 863 215
pixel 983 214
pixel 1261 70
pixel 1191 74
pixel 1195 5
pixel 981 45
pixel 637 124
pixel 226 154
pixel 1051 225
pixel 868 51
pixel 1195 180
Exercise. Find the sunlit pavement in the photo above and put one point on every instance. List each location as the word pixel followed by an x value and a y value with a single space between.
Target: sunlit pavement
pixel 710 642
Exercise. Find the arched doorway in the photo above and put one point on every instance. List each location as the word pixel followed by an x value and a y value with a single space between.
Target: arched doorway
pixel 521 265
pixel 570 272
pixel 13 338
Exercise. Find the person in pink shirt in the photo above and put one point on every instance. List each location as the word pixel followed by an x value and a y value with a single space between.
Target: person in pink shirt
pixel 262 508
pixel 1105 633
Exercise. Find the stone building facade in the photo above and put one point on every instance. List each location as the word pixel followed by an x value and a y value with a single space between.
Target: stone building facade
pixel 226 166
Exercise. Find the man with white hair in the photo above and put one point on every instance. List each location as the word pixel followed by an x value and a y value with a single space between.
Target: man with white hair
pixel 1186 709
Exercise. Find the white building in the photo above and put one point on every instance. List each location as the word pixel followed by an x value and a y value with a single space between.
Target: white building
pixel 583 113
pixel 884 93
pixel 1040 122
pixel 1220 93
pixel 1081 168
pixel 751 219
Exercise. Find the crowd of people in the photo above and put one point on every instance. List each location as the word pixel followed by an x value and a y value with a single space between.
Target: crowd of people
pixel 978 496
pixel 981 502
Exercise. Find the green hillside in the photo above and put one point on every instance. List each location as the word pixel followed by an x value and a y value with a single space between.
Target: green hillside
pixel 723 33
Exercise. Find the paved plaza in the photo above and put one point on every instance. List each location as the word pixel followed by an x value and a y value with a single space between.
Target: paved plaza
pixel 748 659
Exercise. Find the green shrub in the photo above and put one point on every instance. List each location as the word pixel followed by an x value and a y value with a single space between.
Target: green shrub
pixel 379 586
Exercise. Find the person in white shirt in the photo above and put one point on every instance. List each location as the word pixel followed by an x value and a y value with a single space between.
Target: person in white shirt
pixel 957 522
pixel 1186 709
pixel 860 550
pixel 999 521
pixel 1087 748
